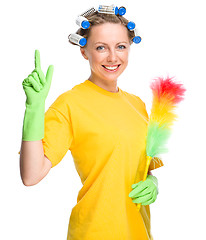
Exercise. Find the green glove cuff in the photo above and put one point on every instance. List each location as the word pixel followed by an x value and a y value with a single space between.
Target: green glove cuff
pixel 33 125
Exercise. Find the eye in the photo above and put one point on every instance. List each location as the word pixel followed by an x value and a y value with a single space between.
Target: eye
pixel 100 48
pixel 121 47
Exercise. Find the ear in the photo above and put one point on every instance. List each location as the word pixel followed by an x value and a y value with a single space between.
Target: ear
pixel 83 52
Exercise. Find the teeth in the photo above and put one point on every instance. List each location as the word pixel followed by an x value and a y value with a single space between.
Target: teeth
pixel 112 68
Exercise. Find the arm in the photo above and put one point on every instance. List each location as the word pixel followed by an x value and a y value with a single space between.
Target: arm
pixel 34 165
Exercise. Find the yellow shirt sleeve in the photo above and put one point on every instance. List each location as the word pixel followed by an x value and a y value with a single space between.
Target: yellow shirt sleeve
pixel 58 133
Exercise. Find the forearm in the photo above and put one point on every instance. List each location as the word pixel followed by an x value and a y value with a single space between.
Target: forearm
pixel 31 161
pixel 33 124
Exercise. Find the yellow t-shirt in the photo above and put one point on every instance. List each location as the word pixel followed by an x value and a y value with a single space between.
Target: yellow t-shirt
pixel 105 133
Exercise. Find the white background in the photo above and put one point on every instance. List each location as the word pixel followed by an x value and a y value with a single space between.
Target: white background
pixel 173 43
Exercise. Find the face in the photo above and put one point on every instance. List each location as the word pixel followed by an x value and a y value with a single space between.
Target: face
pixel 107 50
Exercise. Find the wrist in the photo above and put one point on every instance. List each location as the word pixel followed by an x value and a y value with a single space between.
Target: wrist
pixel 33 125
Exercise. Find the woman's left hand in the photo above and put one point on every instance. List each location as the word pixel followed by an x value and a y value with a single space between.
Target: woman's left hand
pixel 145 192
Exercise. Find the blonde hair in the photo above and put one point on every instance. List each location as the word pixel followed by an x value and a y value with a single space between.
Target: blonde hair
pixel 97 18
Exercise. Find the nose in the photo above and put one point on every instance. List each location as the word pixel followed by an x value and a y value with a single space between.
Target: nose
pixel 112 56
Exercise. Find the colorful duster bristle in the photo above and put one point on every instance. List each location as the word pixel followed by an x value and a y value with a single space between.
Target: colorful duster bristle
pixel 166 95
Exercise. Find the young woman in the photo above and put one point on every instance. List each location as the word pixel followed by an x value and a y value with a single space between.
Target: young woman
pixel 104 127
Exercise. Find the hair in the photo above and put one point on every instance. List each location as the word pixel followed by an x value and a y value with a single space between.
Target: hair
pixel 97 18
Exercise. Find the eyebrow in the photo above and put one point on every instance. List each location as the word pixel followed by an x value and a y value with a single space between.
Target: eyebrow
pixel 106 43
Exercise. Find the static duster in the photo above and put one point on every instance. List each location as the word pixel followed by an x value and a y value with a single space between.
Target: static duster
pixel 166 95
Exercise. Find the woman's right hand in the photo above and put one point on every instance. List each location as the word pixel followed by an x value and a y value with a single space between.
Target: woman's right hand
pixel 36 85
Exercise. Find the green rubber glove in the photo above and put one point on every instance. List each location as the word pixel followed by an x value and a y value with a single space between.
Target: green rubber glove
pixel 145 192
pixel 36 87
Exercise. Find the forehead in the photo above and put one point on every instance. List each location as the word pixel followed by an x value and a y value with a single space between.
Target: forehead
pixel 108 32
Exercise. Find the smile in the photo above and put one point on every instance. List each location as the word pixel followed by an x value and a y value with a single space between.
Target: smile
pixel 112 68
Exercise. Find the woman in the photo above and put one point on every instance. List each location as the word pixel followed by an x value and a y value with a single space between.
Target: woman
pixel 104 127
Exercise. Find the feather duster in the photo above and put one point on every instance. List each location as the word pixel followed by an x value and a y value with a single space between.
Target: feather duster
pixel 166 95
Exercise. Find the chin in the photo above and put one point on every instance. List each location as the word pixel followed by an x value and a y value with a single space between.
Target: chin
pixel 111 79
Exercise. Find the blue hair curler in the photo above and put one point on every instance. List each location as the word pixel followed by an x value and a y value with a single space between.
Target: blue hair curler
pixel 88 12
pixel 108 9
pixel 131 26
pixel 82 22
pixel 77 39
pixel 122 11
pixel 137 39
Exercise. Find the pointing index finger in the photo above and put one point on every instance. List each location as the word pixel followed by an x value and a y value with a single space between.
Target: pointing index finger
pixel 37 59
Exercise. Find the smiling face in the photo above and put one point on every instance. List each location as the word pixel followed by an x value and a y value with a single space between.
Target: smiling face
pixel 107 50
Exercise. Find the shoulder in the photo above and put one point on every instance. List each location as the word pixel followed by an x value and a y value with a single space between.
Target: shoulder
pixel 134 98
pixel 69 99
pixel 137 102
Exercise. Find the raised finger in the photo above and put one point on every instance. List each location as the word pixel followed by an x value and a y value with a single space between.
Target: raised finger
pixel 37 59
pixel 49 73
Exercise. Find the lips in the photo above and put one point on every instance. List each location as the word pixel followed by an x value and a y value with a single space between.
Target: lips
pixel 111 68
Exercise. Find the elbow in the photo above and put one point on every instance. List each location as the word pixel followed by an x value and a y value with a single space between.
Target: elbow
pixel 28 179
pixel 28 182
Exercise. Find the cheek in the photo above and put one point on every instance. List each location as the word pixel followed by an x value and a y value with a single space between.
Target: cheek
pixel 125 57
pixel 97 58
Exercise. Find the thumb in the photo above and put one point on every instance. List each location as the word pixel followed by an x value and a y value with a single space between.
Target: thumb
pixel 49 74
